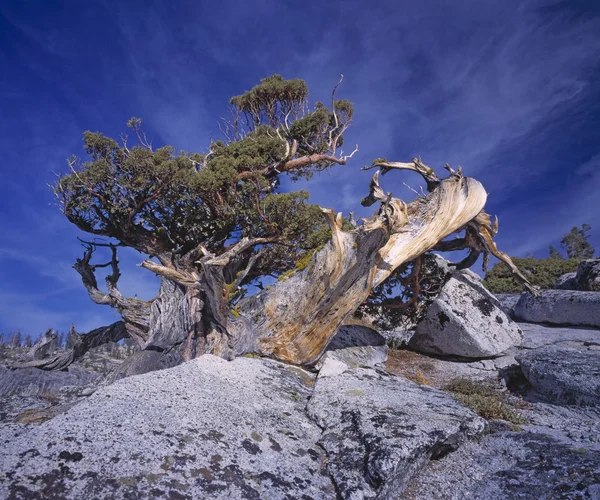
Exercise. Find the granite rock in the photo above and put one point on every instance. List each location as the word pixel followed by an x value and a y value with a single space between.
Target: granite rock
pixel 356 345
pixel 564 375
pixel 379 430
pixel 465 320
pixel 560 307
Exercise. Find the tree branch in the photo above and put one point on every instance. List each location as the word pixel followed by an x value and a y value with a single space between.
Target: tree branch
pixel 83 343
pixel 296 163
pixel 416 165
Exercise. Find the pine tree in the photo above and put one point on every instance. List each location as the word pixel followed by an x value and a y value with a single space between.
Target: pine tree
pixel 576 243
pixel 16 339
pixel 555 254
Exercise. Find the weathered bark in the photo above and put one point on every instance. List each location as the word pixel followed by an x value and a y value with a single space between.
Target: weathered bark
pixel 295 318
pixel 135 313
pixel 44 345
pixel 83 343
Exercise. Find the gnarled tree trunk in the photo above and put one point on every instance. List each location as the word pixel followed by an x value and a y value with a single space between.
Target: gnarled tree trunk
pixel 295 318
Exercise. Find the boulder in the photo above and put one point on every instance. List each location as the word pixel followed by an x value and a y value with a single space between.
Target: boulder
pixel 379 430
pixel 564 375
pixel 521 464
pixel 508 301
pixel 560 307
pixel 356 345
pixel 588 275
pixel 566 282
pixel 465 320
pixel 205 429
pixel 535 335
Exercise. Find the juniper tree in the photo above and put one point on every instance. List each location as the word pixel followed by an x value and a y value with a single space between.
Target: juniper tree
pixel 213 224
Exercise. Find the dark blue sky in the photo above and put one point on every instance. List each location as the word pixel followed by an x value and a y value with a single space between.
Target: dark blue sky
pixel 509 90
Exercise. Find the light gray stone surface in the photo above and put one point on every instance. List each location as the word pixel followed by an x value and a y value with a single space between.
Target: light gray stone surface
pixel 555 455
pixel 508 301
pixel 560 307
pixel 255 428
pixel 356 345
pixel 206 429
pixel 379 430
pixel 241 429
pixel 507 465
pixel 465 320
pixel 566 282
pixel 588 275
pixel 535 335
pixel 564 375
pixel 34 382
pixel 399 337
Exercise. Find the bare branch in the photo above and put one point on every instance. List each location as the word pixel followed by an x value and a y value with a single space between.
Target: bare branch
pixel 83 343
pixel 347 157
pixel 416 165
pixel 244 244
pixel 376 194
pixel 242 276
pixel 86 271
pixel 187 279
pixel 483 231
pixel 331 141
pixel 293 164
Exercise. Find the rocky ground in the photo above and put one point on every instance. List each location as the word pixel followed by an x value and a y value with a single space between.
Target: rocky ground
pixel 473 406
pixel 32 395
pixel 553 451
pixel 255 428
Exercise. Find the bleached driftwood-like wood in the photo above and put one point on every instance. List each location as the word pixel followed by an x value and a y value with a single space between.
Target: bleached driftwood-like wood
pixel 295 320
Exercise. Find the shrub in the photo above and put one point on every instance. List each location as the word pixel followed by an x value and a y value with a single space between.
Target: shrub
pixel 540 272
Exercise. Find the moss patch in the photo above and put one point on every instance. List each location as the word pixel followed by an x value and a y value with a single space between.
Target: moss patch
pixel 485 399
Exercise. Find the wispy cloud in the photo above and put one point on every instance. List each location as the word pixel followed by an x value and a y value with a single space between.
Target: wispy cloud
pixel 507 89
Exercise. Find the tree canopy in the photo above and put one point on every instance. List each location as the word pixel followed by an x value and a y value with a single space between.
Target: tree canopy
pixel 576 244
pixel 168 204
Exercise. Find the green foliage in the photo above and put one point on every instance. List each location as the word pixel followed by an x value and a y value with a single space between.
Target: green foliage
pixel 161 202
pixel 554 253
pixel 399 289
pixel 576 243
pixel 540 272
pixel 273 96
pixel 543 272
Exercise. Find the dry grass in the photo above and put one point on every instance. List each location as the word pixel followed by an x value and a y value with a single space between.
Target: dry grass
pixel 33 416
pixel 419 378
pixel 414 366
